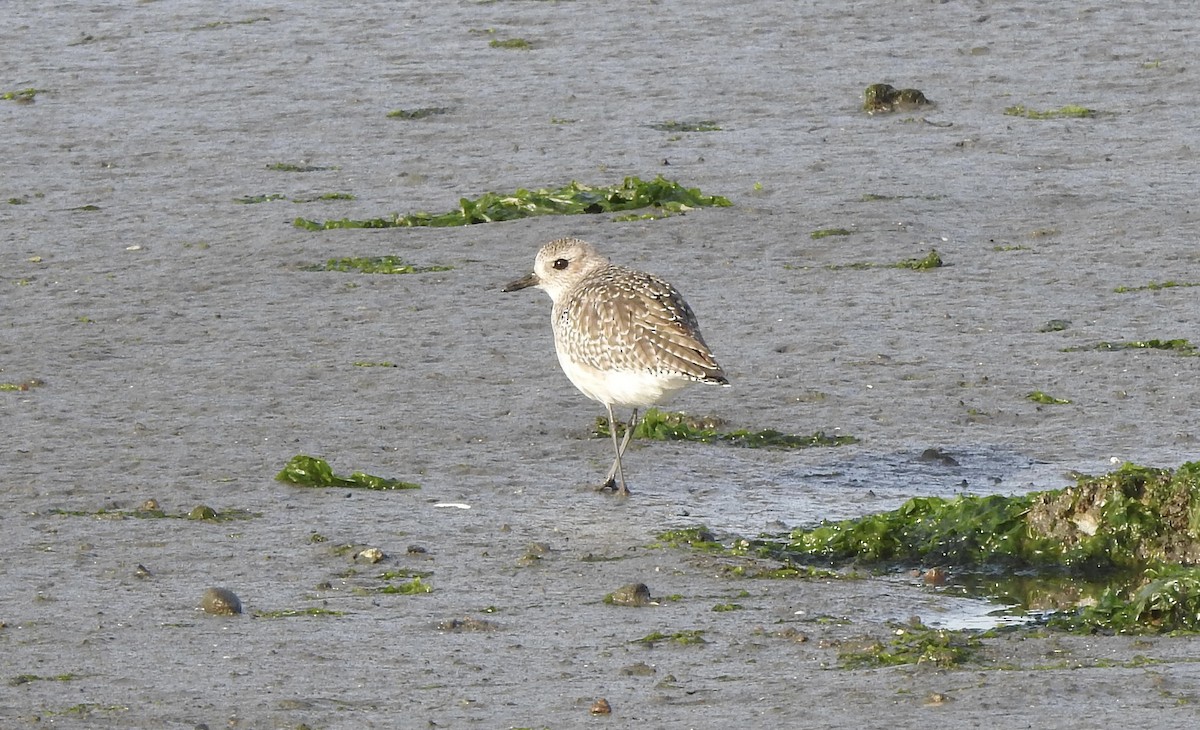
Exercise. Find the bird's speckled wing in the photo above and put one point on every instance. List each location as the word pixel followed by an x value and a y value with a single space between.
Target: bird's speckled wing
pixel 621 319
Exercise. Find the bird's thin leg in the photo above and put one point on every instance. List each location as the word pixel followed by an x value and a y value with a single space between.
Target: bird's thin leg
pixel 616 473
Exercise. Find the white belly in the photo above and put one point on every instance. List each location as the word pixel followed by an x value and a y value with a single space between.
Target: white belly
pixel 627 388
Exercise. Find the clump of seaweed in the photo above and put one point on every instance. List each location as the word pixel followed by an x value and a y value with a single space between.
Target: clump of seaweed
pixel 1038 396
pixel 272 197
pixel 414 587
pixel 885 98
pixel 1137 527
pixel 21 96
pixel 310 471
pixel 827 232
pixel 294 612
pixel 665 426
pixel 419 113
pixel 911 643
pixel 293 167
pixel 931 260
pixel 151 511
pixel 1070 111
pixel 516 44
pixel 1178 345
pixel 689 637
pixel 1117 553
pixel 698 538
pixel 1155 286
pixel 1164 598
pixel 374 265
pixel 22 386
pixel 701 125
pixel 1126 519
pixel 572 199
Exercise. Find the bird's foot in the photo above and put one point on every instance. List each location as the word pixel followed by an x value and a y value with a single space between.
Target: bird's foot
pixel 611 486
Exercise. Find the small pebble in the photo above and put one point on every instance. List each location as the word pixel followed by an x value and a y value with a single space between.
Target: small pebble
pixel 535 552
pixel 468 623
pixel 792 634
pixel 601 707
pixel 640 669
pixel 370 555
pixel 221 602
pixel 150 505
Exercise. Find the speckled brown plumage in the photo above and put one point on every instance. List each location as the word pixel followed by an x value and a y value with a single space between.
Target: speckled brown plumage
pixel 623 337
pixel 621 319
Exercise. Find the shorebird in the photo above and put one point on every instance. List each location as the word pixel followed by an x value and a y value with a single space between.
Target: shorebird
pixel 623 337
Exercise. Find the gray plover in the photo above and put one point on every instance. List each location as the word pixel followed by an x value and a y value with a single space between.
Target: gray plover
pixel 623 337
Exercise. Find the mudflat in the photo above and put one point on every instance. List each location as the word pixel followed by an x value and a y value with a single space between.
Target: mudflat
pixel 179 343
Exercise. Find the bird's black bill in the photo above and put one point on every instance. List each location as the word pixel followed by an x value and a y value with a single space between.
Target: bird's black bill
pixel 523 283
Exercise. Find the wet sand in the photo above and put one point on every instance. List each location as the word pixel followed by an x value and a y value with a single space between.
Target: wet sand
pixel 187 353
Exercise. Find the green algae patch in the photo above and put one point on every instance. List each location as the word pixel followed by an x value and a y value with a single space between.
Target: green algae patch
pixel 272 197
pixel 413 587
pixel 1070 111
pixel 201 512
pixel 310 471
pixel 1055 325
pixel 931 260
pixel 885 98
pixel 420 113
pixel 295 612
pixel 516 44
pixel 1163 599
pixel 572 199
pixel 1179 345
pixel 21 679
pixel 697 538
pixel 827 232
pixel 1125 520
pixel 659 425
pixel 22 96
pixel 1038 396
pixel 218 24
pixel 784 572
pixel 701 125
pixel 912 643
pixel 1117 553
pixel 291 167
pixel 22 386
pixel 374 265
pixel 691 637
pixel 1155 286
pixel 85 709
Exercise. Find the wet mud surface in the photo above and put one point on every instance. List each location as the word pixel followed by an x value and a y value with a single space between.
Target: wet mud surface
pixel 186 353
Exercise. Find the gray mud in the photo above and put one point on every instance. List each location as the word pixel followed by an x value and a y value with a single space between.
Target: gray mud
pixel 187 355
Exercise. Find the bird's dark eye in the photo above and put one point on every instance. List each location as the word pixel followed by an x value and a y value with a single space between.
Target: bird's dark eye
pixel 560 264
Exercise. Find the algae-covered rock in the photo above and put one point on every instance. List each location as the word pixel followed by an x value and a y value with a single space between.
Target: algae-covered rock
pixel 634 594
pixel 1126 519
pixel 884 98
